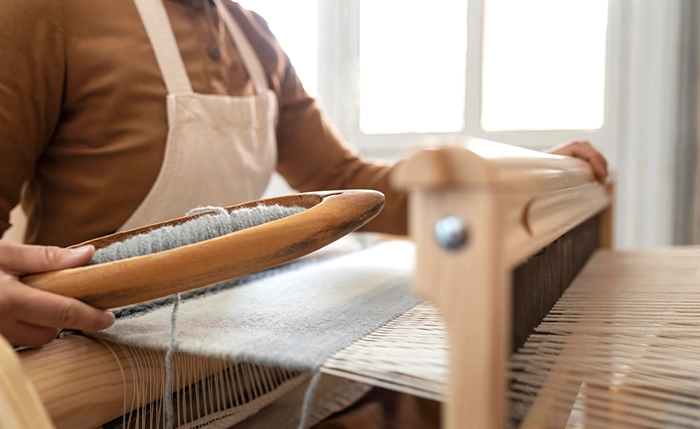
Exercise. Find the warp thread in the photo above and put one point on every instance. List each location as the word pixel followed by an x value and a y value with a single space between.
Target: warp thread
pixel 308 398
pixel 169 376
pixel 168 394
pixel 193 231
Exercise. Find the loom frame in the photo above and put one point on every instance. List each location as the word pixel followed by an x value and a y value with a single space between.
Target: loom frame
pixel 514 202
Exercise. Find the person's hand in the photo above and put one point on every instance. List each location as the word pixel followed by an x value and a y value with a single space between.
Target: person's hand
pixel 31 317
pixel 584 150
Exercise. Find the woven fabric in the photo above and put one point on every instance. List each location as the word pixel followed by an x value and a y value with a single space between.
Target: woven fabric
pixel 294 317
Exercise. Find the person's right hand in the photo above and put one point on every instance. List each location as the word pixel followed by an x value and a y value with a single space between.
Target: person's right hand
pixel 31 317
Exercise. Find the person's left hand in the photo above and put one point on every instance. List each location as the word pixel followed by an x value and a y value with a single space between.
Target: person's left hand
pixel 584 150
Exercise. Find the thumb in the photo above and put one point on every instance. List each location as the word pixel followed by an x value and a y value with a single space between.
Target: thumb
pixel 18 259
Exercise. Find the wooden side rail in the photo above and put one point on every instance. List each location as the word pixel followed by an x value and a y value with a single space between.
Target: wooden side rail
pixel 20 406
pixel 477 209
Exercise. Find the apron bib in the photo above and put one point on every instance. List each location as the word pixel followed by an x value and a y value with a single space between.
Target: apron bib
pixel 220 150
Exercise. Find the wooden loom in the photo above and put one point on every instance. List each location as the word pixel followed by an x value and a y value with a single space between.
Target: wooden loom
pixel 491 207
pixel 499 205
pixel 620 347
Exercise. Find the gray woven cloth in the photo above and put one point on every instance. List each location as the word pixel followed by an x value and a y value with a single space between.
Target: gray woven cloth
pixel 294 317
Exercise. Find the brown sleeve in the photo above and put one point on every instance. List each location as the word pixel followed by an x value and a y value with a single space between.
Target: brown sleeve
pixel 31 82
pixel 311 154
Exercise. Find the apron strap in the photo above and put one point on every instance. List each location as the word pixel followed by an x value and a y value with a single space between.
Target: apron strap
pixel 160 32
pixel 246 52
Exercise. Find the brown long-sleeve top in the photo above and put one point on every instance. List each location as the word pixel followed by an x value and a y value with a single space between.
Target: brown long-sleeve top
pixel 83 114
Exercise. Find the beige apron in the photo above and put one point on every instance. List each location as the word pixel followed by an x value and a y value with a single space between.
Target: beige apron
pixel 220 150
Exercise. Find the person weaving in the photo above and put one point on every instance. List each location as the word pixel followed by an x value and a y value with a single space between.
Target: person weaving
pixel 123 113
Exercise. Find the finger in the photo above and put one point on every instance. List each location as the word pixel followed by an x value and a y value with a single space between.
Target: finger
pixel 594 158
pixel 599 169
pixel 586 151
pixel 46 309
pixel 18 259
pixel 566 148
pixel 21 334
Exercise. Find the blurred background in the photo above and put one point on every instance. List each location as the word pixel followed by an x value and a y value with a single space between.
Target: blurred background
pixel 534 73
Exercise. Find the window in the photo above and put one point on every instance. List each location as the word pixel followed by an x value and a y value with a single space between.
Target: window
pixel 532 73
pixel 543 65
pixel 412 66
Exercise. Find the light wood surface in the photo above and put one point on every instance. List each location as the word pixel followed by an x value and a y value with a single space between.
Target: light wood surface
pixel 608 219
pixel 470 287
pixel 330 215
pixel 20 406
pixel 80 381
pixel 514 202
pixel 478 163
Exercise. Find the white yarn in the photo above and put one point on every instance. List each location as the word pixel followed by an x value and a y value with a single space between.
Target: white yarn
pixel 168 394
pixel 308 399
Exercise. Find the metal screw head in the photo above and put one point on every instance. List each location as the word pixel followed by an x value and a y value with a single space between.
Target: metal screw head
pixel 451 233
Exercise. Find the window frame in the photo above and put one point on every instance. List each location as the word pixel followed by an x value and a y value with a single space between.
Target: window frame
pixel 338 85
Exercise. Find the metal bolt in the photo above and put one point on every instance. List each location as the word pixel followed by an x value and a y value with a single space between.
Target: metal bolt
pixel 451 233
